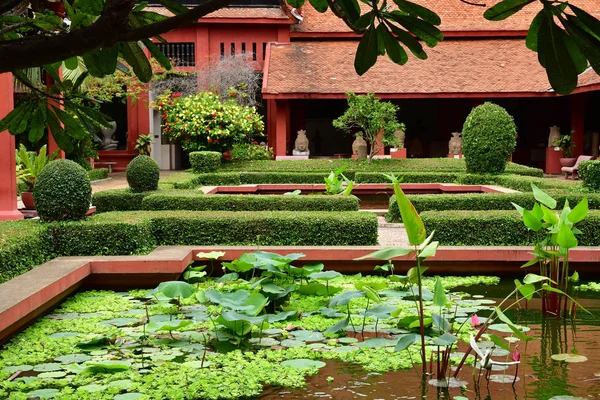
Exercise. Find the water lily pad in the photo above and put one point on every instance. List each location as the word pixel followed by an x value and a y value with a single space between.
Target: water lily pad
pixel 119 322
pixel 317 345
pixel 447 383
pixel 107 366
pixel 47 367
pixel 266 341
pixel 570 358
pixel 128 396
pixel 506 329
pixel 93 387
pixel 52 375
pixel 73 358
pixel 503 378
pixel 13 369
pixel 347 340
pixel 43 393
pixel 122 384
pixel 303 363
pixel 292 343
pixel 377 343
pixel 308 336
pixel 60 335
pixel 163 357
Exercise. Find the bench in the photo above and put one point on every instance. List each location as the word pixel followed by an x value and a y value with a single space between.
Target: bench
pixel 573 170
pixel 108 164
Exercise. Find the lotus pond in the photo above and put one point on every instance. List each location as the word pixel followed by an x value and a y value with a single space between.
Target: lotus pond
pixel 299 333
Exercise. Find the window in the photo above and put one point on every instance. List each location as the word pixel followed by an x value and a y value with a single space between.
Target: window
pixel 180 54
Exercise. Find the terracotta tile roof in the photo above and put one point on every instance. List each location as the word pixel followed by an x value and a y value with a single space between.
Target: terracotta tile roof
pixel 455 15
pixel 589 77
pixel 454 66
pixel 234 12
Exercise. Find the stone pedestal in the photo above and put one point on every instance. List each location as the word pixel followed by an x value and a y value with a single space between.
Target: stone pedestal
pixel 279 158
pixel 553 156
pixel 456 156
pixel 394 153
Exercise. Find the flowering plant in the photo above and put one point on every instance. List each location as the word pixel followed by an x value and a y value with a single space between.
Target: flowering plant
pixel 204 122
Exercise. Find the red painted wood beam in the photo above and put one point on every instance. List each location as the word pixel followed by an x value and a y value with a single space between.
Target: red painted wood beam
pixel 453 34
pixel 449 95
pixel 8 180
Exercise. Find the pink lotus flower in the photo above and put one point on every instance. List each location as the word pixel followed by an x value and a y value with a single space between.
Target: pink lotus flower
pixel 475 321
pixel 516 356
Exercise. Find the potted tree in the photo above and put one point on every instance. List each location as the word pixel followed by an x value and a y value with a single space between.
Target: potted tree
pixel 29 166
pixel 565 143
pixel 143 144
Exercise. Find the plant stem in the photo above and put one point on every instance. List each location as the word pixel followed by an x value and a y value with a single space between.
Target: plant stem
pixel 421 317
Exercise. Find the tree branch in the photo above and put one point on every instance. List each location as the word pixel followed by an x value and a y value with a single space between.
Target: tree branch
pixel 8 5
pixel 110 29
pixel 474 4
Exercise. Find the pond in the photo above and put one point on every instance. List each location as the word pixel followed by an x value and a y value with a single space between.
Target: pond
pixel 168 344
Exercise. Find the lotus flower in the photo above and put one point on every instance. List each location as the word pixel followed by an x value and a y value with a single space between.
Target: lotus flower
pixel 516 356
pixel 475 321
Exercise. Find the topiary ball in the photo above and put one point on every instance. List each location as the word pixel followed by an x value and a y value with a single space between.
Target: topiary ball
pixel 489 138
pixel 62 191
pixel 143 174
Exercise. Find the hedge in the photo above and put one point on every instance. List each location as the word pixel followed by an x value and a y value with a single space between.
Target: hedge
pixel 484 201
pixel 218 202
pixel 517 182
pixel 496 228
pixel 589 172
pixel 407 177
pixel 23 245
pixel 119 200
pixel 205 161
pixel 98 174
pixel 377 165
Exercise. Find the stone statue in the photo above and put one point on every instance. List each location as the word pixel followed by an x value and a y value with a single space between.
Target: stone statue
pixel 359 144
pixel 107 141
pixel 455 144
pixel 554 135
pixel 400 136
pixel 301 144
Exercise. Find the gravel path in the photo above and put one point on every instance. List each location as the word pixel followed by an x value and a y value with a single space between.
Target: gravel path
pixel 392 234
pixel 119 181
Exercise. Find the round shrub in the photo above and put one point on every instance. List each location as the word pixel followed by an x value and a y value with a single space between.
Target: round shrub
pixel 489 138
pixel 589 172
pixel 142 174
pixel 205 161
pixel 62 191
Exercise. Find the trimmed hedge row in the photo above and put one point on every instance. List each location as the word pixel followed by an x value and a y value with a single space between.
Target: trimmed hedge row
pixel 23 245
pixel 377 165
pixel 97 174
pixel 496 228
pixel 174 201
pixel 483 201
pixel 205 161
pixel 516 182
pixel 119 200
pixel 408 177
pixel 589 172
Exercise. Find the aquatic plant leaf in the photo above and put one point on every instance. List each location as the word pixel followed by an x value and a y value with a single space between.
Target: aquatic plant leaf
pixel 526 290
pixel 154 326
pixel 579 212
pixel 429 250
pixel 569 357
pixel 303 363
pixel 107 367
pixel 96 342
pixel 326 275
pixel 387 253
pixel 73 358
pixel 270 287
pixel 43 394
pixel 426 322
pixel 120 322
pixel 292 343
pixel 499 342
pixel 175 289
pixel 445 340
pixel 282 316
pixel 377 343
pixel 440 322
pixel 318 289
pixel 413 273
pixel 308 336
pixel 439 295
pixel 534 278
pixel 406 341
pixel 566 238
pixel 344 298
pixel 93 387
pixel 380 312
pixel 192 276
pixel 542 197
pixel 371 294
pixel 238 266
pixel 531 221
pixel 47 367
pixel 213 255
pixel 415 229
pixel 128 396
pixel 503 378
pixel 517 330
pixel 338 326
pixel 331 313
pixel 232 276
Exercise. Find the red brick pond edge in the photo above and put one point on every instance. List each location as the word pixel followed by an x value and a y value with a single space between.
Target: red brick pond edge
pixel 28 296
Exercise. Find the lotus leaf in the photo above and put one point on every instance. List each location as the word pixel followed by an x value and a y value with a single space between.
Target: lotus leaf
pixel 303 363
pixel 175 289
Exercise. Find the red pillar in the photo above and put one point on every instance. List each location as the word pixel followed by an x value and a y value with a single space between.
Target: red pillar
pixel 8 179
pixel 138 119
pixel 578 123
pixel 282 125
pixel 271 123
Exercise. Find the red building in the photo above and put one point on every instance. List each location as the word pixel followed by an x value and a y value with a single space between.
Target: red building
pixel 307 64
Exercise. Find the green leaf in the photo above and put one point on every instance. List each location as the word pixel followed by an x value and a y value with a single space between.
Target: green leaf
pixel 406 341
pixel 409 41
pixel 345 297
pixel 566 238
pixel 366 53
pixel 168 326
pixel 589 44
pixel 579 60
pixel 326 275
pixel 499 342
pixel 531 221
pixel 371 294
pixel 579 212
pixel 413 274
pixel 339 326
pixel 421 29
pixel 534 278
pixel 387 253
pixel 350 8
pixel 415 229
pixel 72 63
pixel 107 367
pixel 135 57
pixel 364 21
pixel 532 34
pixel 554 56
pixel 591 23
pixel 393 49
pixel 440 322
pixel 417 10
pixel 38 124
pixel 446 339
pixel 319 5
pixel 526 290
pixel 439 295
pixel 505 9
pixel 92 7
pixel 175 289
pixel 542 197
pixel 303 363
pixel 174 7
pixel 157 54
pixel 429 250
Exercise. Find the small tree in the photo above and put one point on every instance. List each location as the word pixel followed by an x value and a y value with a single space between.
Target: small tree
pixel 369 117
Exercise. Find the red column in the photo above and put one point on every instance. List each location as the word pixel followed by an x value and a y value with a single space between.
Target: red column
pixel 282 125
pixel 8 180
pixel 271 123
pixel 578 122
pixel 138 119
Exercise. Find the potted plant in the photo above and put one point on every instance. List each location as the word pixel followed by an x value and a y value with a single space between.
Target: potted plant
pixel 29 166
pixel 565 143
pixel 142 145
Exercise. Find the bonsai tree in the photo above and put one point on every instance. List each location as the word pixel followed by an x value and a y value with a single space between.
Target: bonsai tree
pixel 489 138
pixel 566 144
pixel 369 117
